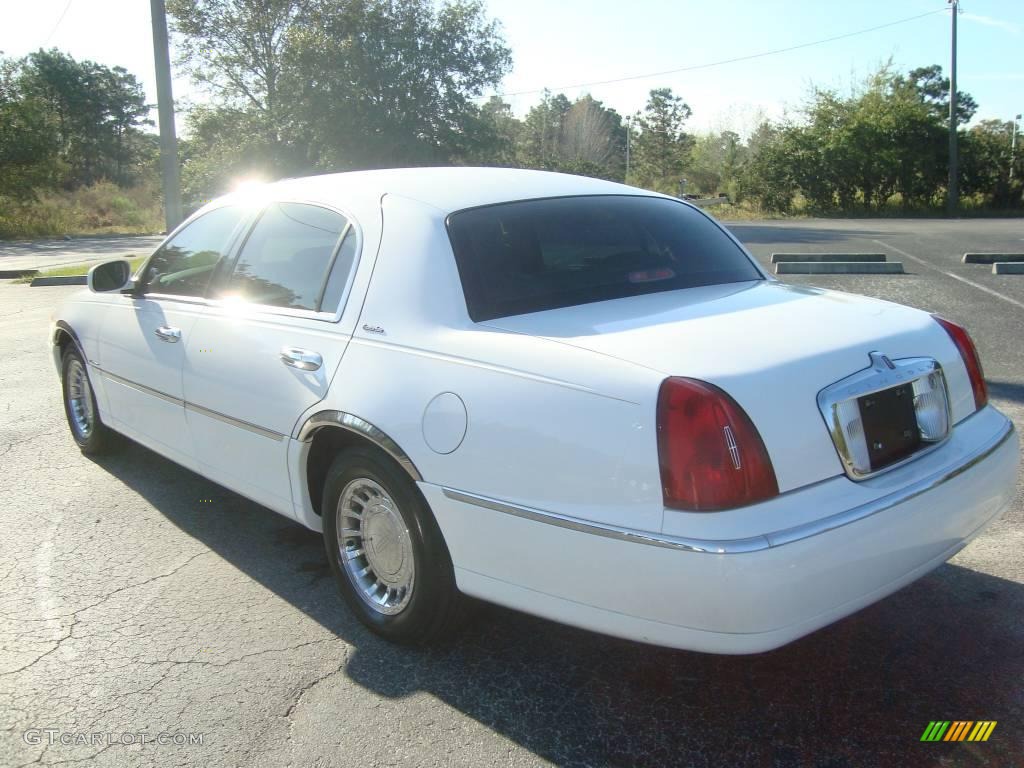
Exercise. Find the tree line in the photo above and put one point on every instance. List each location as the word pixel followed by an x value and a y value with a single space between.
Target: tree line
pixel 307 86
pixel 67 123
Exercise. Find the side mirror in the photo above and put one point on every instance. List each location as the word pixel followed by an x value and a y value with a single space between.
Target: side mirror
pixel 110 276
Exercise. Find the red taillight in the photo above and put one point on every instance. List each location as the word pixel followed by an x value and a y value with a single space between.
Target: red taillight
pixel 711 455
pixel 969 354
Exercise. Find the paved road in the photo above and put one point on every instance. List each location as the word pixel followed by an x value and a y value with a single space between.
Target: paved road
pixel 41 254
pixel 140 598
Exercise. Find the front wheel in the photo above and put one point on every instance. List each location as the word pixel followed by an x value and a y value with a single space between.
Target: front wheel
pixel 386 551
pixel 90 433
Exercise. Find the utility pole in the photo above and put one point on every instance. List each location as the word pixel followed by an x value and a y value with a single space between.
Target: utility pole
pixel 629 136
pixel 165 108
pixel 953 196
pixel 1013 145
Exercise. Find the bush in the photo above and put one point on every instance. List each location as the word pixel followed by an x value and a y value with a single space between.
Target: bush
pixel 101 208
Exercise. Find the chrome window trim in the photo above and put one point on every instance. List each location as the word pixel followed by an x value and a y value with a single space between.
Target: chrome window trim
pixel 195 300
pixel 882 374
pixel 352 423
pixel 260 309
pixel 267 309
pixel 332 261
pixel 759 543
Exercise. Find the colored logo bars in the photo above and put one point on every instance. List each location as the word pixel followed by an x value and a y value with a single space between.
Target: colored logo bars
pixel 958 730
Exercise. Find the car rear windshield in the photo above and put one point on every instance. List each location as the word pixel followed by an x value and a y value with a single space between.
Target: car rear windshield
pixel 534 255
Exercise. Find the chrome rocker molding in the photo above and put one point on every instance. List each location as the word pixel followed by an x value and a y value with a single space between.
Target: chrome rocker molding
pixel 740 546
pixel 352 423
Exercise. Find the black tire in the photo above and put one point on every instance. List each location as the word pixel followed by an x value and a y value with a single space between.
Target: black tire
pixel 431 607
pixel 92 436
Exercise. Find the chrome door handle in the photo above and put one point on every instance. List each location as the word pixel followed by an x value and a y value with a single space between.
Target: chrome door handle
pixel 302 359
pixel 168 334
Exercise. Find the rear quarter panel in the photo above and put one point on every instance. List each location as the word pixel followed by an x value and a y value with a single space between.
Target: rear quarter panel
pixel 548 425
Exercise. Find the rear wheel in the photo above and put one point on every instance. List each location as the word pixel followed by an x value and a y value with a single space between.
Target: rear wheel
pixel 92 435
pixel 386 551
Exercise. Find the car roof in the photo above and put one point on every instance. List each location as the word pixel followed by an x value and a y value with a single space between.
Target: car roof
pixel 446 189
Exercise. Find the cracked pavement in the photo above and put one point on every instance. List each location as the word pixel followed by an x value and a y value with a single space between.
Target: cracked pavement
pixel 130 607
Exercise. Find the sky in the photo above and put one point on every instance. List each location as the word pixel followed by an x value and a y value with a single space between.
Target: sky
pixel 560 43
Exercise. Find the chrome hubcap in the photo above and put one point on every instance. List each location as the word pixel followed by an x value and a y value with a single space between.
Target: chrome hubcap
pixel 375 546
pixel 80 400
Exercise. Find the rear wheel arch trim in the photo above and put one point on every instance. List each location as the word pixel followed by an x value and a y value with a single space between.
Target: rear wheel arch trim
pixel 359 426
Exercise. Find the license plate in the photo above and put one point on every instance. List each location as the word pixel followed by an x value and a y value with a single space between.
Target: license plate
pixel 890 425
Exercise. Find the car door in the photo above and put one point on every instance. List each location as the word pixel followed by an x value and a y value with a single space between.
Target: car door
pixel 268 346
pixel 144 334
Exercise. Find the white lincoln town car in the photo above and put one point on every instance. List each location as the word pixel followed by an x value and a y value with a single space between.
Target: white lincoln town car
pixel 571 397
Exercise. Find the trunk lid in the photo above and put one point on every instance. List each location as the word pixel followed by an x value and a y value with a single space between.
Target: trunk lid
pixel 771 346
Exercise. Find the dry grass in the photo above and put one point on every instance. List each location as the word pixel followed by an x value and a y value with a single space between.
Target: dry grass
pixel 103 208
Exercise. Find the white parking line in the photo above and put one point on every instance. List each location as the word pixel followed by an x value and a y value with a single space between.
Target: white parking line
pixel 971 283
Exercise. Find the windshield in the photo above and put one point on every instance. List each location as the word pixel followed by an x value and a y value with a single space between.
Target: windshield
pixel 534 255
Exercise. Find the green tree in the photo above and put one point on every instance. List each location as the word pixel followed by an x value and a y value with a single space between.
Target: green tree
pixel 583 137
pixel 715 163
pixel 540 138
pixel 29 144
pixel 986 164
pixel 325 84
pixel 884 142
pixel 68 123
pixel 933 89
pixel 593 140
pixel 499 135
pixel 766 176
pixel 661 149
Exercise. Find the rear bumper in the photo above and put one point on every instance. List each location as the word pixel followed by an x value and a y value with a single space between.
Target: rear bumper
pixel 738 595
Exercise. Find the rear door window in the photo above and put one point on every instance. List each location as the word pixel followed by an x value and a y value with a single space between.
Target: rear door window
pixel 287 258
pixel 535 255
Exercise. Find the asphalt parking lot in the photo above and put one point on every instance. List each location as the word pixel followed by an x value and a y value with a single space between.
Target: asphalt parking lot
pixel 140 599
pixel 43 254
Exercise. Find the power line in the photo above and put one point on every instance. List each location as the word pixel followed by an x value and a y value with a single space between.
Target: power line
pixel 728 61
pixel 57 25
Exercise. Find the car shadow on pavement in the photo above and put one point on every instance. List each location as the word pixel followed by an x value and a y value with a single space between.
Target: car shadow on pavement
pixel 858 693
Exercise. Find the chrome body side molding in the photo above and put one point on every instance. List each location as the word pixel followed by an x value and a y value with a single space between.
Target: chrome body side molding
pixel 725 547
pixel 140 387
pixel 248 426
pixel 748 545
pixel 352 423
